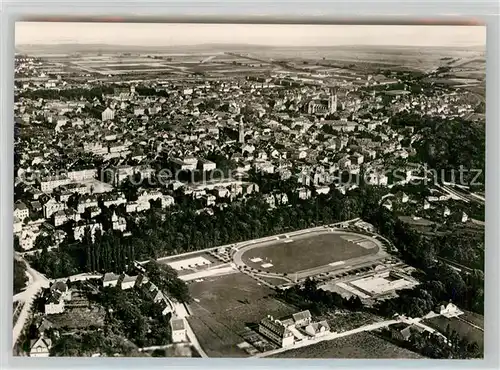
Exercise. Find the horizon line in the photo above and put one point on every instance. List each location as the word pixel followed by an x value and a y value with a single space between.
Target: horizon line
pixel 248 44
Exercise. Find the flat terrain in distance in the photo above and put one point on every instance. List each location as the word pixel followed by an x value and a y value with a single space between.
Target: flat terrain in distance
pixel 462 325
pixel 223 306
pixel 306 252
pixel 356 346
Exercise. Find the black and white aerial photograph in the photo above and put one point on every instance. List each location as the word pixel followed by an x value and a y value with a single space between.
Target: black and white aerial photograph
pixel 249 190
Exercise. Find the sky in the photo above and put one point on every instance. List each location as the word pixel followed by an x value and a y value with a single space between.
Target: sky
pixel 171 34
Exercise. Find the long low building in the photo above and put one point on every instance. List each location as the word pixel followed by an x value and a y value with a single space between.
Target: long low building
pixel 275 330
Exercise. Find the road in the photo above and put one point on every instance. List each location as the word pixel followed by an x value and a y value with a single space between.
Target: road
pixel 456 265
pixel 181 312
pixel 38 281
pixel 369 327
pixel 330 336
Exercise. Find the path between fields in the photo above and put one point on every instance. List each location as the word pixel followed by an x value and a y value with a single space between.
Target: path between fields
pixel 181 312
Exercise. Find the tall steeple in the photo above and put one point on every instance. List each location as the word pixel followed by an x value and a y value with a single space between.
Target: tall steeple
pixel 241 138
pixel 332 102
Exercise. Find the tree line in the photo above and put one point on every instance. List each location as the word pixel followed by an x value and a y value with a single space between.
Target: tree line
pixel 66 94
pixel 318 300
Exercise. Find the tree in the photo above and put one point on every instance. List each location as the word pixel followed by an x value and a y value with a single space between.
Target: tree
pixel 20 278
pixel 17 246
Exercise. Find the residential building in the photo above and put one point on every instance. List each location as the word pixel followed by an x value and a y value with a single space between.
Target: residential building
pixel 107 114
pixel 52 206
pixel 18 225
pixel 206 165
pixel 302 318
pixel 450 310
pixel 79 231
pixel 110 280
pixel 49 183
pixel 82 175
pixel 119 223
pixel 21 211
pixel 317 329
pixel 179 332
pixel 40 347
pixel 128 282
pixel 57 295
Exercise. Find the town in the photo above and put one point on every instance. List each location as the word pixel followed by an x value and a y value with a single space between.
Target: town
pixel 243 202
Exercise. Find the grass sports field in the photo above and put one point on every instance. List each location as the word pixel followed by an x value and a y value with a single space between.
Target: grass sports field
pixel 356 346
pixel 223 306
pixel 309 251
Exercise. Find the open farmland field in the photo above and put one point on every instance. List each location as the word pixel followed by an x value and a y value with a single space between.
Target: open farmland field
pixel 223 306
pixel 308 251
pixel 462 325
pixel 356 346
pixel 132 67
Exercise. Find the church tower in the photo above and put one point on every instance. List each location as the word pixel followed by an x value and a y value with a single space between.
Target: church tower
pixel 332 102
pixel 241 138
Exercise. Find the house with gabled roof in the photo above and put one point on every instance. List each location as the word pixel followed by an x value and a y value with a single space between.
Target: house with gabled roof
pixel 40 347
pixel 110 279
pixel 302 318
pixel 317 329
pixel 21 211
pixel 128 282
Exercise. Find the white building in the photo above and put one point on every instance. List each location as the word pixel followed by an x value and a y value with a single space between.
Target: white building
pixel 179 333
pixel 52 206
pixel 206 165
pixel 450 310
pixel 302 318
pixel 128 282
pixel 52 308
pixel 465 217
pixel 48 184
pixel 82 175
pixel 119 223
pixel 21 211
pixel 317 329
pixel 276 331
pixel 446 212
pixel 85 202
pixel 110 279
pixel 27 238
pixel 374 178
pixel 167 201
pixel 108 114
pixel 187 164
pixel 304 193
pixel 18 225
pixel 79 231
pixel 59 294
pixel 40 347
